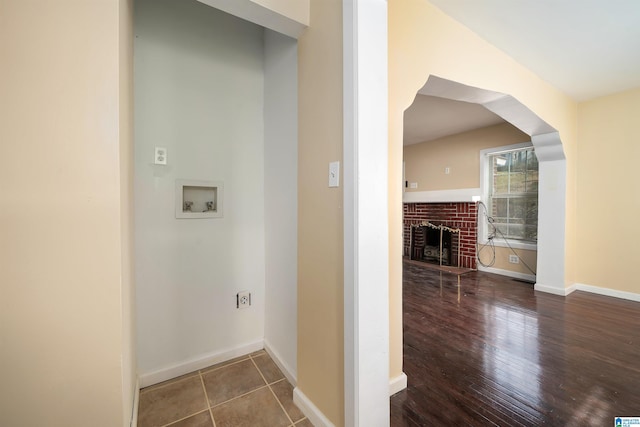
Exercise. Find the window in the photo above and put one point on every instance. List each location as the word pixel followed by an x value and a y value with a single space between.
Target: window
pixel 513 193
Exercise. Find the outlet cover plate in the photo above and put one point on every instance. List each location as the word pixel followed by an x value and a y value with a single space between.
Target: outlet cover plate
pixel 243 299
pixel 160 156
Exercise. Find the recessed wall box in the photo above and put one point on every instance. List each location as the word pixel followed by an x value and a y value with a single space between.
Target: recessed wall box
pixel 199 199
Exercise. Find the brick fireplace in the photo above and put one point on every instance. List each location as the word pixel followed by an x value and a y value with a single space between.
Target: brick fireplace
pixel 461 215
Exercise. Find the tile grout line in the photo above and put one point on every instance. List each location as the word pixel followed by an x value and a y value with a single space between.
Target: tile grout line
pixel 238 397
pixel 188 375
pixel 279 381
pixel 206 397
pixel 259 371
pixel 175 381
pixel 263 377
pixel 272 392
pixel 210 407
pixel 182 419
pixel 279 403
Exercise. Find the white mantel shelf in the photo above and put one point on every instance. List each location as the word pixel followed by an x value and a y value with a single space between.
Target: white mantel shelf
pixel 441 196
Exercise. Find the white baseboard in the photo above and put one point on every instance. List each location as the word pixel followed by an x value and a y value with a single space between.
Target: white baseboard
pixel 310 410
pixel 136 402
pixel 397 384
pixel 508 273
pixel 570 289
pixel 200 362
pixel 284 367
pixel 607 292
pixel 553 289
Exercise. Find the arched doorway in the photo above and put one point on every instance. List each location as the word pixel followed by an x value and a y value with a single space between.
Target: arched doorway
pixel 552 169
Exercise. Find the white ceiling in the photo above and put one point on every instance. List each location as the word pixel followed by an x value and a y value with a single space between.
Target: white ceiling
pixel 430 118
pixel 586 48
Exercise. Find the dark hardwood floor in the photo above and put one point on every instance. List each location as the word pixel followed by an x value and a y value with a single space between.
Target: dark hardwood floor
pixel 491 351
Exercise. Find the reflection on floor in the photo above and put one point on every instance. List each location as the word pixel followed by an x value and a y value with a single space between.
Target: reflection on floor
pixel 248 391
pixel 485 350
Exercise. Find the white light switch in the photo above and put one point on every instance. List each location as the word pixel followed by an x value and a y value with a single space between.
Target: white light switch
pixel 334 174
pixel 160 156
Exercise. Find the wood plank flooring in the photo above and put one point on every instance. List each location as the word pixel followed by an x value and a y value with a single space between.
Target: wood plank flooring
pixel 485 350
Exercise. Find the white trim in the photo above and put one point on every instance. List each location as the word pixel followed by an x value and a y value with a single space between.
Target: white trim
pixel 365 198
pixel 199 362
pixel 553 289
pixel 284 367
pixel 441 196
pixel 607 292
pixel 504 149
pixel 397 384
pixel 350 222
pixel 136 403
pixel 485 184
pixel 508 273
pixel 515 244
pixel 570 289
pixel 310 410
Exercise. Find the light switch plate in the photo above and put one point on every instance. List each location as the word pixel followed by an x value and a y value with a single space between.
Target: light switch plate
pixel 334 174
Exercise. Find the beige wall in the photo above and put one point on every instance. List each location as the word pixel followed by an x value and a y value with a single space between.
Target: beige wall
pixel 65 296
pixel 501 262
pixel 607 226
pixel 425 162
pixel 422 42
pixel 320 213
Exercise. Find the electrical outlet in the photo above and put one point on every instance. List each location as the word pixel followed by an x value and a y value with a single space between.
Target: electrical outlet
pixel 243 299
pixel 513 259
pixel 160 156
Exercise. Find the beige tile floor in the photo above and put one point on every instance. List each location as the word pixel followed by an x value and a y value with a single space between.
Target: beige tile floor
pixel 248 391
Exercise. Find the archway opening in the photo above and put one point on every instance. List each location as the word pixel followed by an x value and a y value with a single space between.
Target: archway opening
pixel 550 267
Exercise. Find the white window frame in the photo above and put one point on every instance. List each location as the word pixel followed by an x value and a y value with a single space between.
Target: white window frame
pixel 485 186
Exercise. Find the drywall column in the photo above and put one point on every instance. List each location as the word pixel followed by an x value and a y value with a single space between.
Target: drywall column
pixel 320 217
pixel 552 171
pixel 65 278
pixel 366 285
pixel 281 199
